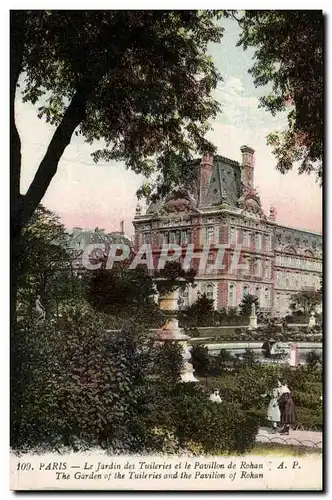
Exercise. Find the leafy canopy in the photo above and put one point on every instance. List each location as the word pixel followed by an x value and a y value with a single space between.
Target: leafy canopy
pixel 140 82
pixel 289 57
pixel 306 301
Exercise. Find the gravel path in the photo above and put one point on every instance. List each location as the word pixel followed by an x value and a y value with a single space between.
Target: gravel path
pixel 308 439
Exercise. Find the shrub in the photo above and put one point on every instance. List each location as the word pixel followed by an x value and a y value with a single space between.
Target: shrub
pixel 82 386
pixel 215 427
pixel 200 360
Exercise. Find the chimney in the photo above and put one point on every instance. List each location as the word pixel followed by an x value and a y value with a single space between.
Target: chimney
pixel 248 163
pixel 204 175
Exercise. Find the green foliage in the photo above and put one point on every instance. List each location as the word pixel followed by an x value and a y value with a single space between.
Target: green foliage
pixel 289 59
pixel 313 359
pixel 200 359
pixel 306 301
pixel 173 277
pixel 246 303
pixel 125 293
pixel 215 427
pixel 45 264
pixel 200 313
pixel 246 384
pixel 80 385
pixel 168 361
pixel 76 382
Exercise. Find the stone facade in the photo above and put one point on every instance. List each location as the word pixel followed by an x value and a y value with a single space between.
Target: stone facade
pixel 225 208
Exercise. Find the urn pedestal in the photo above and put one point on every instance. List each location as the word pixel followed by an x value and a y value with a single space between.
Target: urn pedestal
pixel 171 332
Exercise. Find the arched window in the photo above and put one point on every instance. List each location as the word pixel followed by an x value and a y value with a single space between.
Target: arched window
pixel 231 295
pixel 245 290
pixel 287 280
pixel 267 297
pixel 277 301
pixel 267 242
pixel 258 293
pixel 209 291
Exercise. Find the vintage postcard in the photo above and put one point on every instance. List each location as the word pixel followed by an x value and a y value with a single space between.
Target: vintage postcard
pixel 166 250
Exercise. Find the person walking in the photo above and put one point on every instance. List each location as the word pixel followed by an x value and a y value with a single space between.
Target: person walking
pixel 287 409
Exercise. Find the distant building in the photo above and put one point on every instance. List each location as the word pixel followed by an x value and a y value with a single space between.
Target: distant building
pixel 79 239
pixel 223 207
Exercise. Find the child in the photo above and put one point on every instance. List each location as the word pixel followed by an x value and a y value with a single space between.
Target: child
pixel 273 411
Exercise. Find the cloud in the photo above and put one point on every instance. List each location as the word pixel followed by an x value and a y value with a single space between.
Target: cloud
pixel 239 108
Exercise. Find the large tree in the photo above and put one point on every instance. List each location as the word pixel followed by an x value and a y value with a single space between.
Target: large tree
pixel 306 301
pixel 288 59
pixel 45 263
pixel 139 81
pixel 246 304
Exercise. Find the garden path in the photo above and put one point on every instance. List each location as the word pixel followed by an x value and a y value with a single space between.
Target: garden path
pixel 308 439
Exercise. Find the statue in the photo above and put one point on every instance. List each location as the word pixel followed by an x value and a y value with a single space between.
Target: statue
pixel 215 397
pixel 253 317
pixel 312 320
pixel 138 209
pixel 40 310
pixel 273 213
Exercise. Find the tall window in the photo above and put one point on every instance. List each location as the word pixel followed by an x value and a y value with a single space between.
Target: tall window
pixel 231 295
pixel 209 234
pixel 267 269
pixel 267 297
pixel 245 290
pixel 210 263
pixel 287 280
pixel 146 238
pixel 278 301
pixel 258 293
pixel 232 235
pixel 247 263
pixel 258 267
pixel 209 291
pixel 257 241
pixel 266 242
pixel 246 239
pixel 184 237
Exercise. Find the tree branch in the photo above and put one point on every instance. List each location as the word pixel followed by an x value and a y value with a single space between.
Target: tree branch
pixel 73 116
pixel 17 25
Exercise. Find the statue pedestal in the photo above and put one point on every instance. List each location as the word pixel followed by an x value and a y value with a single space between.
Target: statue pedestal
pixel 252 322
pixel 294 355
